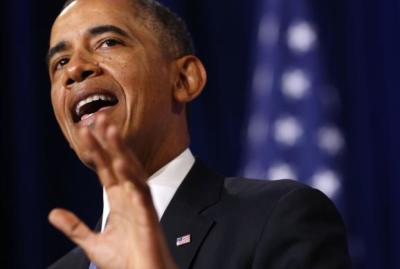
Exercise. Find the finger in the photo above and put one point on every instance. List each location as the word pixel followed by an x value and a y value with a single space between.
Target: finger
pixel 99 130
pixel 132 177
pixel 126 166
pixel 71 226
pixel 100 158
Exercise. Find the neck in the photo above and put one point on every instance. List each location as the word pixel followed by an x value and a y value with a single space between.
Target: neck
pixel 160 158
pixel 166 149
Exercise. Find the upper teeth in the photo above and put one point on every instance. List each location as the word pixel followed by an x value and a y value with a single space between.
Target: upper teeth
pixel 90 99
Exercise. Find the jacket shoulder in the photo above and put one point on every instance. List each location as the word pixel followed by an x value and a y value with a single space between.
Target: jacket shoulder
pixel 262 197
pixel 290 211
pixel 262 189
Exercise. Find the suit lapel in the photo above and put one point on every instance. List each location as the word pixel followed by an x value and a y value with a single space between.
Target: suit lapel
pixel 185 215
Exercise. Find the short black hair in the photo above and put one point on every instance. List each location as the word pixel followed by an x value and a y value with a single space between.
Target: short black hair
pixel 173 35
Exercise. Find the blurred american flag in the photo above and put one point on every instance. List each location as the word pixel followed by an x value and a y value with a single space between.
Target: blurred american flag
pixel 293 112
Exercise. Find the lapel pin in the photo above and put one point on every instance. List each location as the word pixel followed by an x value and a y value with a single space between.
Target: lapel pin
pixel 183 240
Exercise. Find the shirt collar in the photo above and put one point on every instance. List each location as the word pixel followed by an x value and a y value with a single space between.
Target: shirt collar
pixel 163 183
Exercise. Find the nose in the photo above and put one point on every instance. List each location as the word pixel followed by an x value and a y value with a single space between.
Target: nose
pixel 79 69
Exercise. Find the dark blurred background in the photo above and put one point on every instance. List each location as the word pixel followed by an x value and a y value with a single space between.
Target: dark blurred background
pixel 317 63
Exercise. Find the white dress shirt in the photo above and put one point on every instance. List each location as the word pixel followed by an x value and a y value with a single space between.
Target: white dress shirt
pixel 163 184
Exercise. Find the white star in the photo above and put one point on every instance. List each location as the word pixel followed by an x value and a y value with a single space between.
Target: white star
pixel 295 84
pixel 330 139
pixel 326 181
pixel 281 171
pixel 301 37
pixel 287 131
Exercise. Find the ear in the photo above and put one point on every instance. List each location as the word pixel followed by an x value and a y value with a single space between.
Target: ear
pixel 190 80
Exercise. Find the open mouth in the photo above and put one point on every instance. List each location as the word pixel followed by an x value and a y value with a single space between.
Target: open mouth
pixel 86 107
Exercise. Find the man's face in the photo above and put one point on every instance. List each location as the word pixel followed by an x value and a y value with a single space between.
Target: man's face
pixel 105 61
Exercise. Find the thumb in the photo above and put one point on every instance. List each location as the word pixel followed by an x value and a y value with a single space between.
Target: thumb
pixel 69 224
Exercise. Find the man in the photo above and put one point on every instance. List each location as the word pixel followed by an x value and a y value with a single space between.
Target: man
pixel 122 72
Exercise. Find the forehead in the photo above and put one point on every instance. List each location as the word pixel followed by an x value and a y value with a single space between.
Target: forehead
pixel 83 14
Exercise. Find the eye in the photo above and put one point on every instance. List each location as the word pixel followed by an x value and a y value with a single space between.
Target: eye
pixel 59 64
pixel 109 43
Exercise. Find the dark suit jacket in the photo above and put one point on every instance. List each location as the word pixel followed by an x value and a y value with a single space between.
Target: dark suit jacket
pixel 242 223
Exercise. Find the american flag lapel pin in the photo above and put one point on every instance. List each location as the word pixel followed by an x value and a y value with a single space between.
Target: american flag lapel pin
pixel 183 240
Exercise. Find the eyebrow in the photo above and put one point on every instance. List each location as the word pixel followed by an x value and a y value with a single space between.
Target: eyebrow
pixel 101 29
pixel 94 31
pixel 61 46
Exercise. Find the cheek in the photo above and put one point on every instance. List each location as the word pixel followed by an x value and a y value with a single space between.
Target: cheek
pixel 57 101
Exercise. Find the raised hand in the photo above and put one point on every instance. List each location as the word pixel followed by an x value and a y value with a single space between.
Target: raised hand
pixel 133 237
